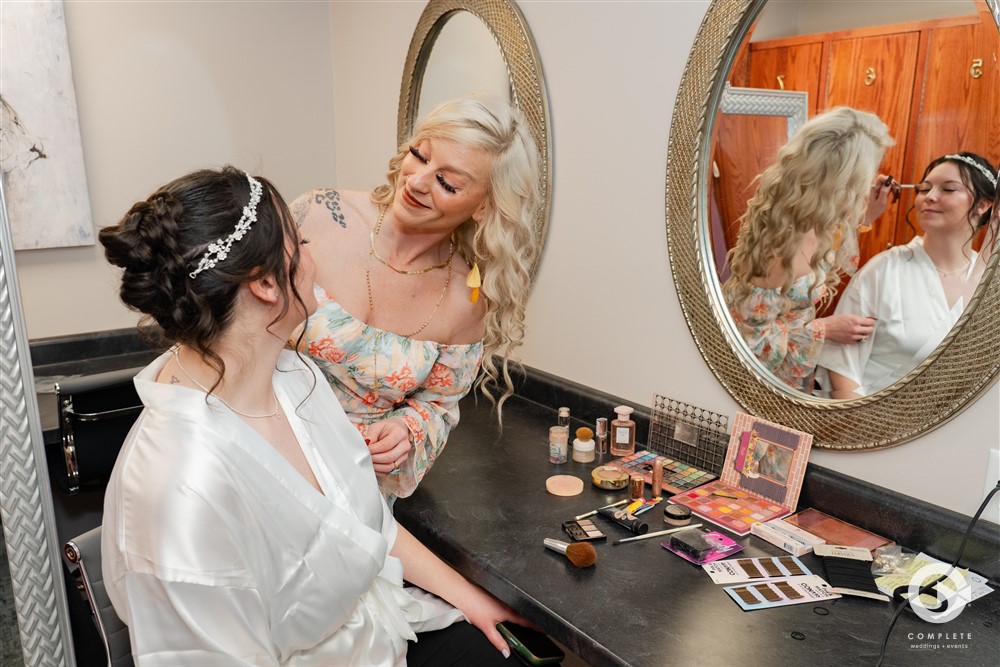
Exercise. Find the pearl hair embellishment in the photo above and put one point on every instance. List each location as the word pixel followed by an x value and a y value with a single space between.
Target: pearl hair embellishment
pixel 990 176
pixel 219 249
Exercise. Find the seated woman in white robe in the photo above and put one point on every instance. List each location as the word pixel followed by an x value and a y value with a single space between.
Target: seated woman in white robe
pixel 916 292
pixel 243 523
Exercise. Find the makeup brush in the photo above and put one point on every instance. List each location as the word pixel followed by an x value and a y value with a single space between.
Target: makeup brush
pixel 581 554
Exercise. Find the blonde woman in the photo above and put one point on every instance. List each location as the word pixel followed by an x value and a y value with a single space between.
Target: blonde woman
pixel 799 235
pixel 423 279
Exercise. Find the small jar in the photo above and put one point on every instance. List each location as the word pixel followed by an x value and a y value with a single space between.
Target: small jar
pixel 583 445
pixel 636 487
pixel 558 444
pixel 563 417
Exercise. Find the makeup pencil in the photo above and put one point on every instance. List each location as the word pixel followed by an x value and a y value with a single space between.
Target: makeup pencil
pixel 593 512
pixel 658 533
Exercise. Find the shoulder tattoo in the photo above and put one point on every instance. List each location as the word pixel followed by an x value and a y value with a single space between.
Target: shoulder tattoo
pixel 330 199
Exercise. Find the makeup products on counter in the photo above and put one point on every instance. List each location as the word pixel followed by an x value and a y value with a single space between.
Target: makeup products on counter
pixel 564 485
pixel 563 417
pixel 625 520
pixel 583 530
pixel 677 515
pixel 558 444
pixel 609 478
pixel 583 445
pixel 623 432
pixel 657 475
pixel 677 475
pixel 601 432
pixel 636 487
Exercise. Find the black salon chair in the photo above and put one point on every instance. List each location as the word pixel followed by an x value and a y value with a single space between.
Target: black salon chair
pixel 85 553
pixel 95 414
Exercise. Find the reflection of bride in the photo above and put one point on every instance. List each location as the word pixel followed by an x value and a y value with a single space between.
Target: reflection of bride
pixel 799 234
pixel 917 292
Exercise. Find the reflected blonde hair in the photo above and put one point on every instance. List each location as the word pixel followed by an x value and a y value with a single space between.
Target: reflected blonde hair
pixel 503 244
pixel 819 181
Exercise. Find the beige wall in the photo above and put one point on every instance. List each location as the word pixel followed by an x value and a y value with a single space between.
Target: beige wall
pixel 166 87
pixel 612 72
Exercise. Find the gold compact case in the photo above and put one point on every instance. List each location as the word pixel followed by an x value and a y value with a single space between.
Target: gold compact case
pixel 609 478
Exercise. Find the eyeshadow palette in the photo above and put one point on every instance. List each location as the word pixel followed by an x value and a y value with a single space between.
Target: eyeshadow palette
pixel 583 530
pixel 761 478
pixel 795 590
pixel 677 475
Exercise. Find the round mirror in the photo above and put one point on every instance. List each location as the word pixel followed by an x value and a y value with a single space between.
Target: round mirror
pixel 478 46
pixel 956 371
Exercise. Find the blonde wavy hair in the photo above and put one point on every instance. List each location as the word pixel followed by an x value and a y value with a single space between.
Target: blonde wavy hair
pixel 503 244
pixel 819 181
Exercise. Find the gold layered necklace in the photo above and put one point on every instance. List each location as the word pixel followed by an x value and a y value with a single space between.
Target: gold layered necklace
pixel 371 300
pixel 416 272
pixel 277 407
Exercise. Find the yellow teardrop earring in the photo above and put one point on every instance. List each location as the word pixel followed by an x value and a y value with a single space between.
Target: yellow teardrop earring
pixel 474 281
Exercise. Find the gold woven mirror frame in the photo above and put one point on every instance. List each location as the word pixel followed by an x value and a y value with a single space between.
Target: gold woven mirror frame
pixel 964 366
pixel 504 21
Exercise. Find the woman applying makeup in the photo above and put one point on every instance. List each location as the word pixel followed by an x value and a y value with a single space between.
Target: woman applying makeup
pixel 916 292
pixel 799 236
pixel 403 321
pixel 243 523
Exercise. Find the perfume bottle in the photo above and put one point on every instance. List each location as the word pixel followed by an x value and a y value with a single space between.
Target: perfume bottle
pixel 623 432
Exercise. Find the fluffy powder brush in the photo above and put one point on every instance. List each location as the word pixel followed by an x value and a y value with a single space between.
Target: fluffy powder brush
pixel 581 554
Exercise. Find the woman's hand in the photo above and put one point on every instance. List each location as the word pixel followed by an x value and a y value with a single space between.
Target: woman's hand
pixel 848 329
pixel 389 443
pixel 484 611
pixel 878 199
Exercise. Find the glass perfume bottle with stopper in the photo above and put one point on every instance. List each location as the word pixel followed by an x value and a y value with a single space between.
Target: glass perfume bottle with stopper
pixel 623 432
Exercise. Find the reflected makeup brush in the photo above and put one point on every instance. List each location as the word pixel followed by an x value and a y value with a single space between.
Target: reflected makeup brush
pixel 581 554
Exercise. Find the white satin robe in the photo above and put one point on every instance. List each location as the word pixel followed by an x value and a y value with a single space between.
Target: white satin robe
pixel 901 289
pixel 216 551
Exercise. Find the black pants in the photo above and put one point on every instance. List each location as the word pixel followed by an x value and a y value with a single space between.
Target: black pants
pixel 459 645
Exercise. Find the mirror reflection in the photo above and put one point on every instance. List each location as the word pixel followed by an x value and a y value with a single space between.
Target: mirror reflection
pixel 785 265
pixel 465 60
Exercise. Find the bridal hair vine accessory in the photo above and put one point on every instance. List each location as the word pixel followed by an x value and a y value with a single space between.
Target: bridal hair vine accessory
pixel 990 176
pixel 219 249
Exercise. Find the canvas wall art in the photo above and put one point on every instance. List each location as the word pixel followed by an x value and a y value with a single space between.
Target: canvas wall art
pixel 41 155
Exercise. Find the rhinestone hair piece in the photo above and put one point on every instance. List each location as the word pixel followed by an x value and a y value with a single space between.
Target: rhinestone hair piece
pixel 218 250
pixel 990 176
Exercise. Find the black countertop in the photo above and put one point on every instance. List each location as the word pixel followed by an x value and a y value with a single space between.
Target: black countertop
pixel 484 509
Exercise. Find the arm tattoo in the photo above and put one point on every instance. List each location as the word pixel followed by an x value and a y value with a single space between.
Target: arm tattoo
pixel 331 200
pixel 174 380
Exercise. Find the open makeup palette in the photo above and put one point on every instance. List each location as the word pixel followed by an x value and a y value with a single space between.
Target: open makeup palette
pixel 761 477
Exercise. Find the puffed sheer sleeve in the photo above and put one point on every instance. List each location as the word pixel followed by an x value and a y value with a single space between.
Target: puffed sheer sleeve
pixel 786 340
pixel 430 412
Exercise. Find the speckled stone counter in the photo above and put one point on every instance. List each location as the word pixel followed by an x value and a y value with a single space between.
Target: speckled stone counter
pixel 484 509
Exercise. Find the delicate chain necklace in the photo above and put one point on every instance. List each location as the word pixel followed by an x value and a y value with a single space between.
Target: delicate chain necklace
pixel 945 274
pixel 374 252
pixel 277 408
pixel 378 332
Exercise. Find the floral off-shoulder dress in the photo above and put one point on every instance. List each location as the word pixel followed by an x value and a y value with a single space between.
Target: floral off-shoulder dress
pixel 378 374
pixel 781 329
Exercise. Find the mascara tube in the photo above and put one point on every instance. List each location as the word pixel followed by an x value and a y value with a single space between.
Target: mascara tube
pixel 624 519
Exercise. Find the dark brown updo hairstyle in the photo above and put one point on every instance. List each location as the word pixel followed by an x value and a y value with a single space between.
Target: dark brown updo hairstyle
pixel 161 239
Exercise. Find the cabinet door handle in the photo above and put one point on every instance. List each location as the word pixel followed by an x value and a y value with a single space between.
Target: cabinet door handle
pixel 781 81
pixel 869 76
pixel 976 70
